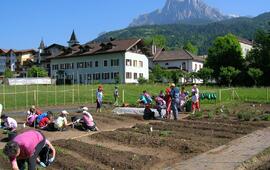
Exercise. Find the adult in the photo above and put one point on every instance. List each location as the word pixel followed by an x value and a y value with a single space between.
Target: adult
pixel 99 98
pixel 26 147
pixel 168 100
pixel 175 93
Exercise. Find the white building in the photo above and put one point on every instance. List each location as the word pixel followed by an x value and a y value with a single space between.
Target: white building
pixel 180 59
pixel 7 60
pixel 102 62
pixel 246 46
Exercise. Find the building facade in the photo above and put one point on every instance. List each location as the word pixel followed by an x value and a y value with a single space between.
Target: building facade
pixel 117 60
pixel 246 46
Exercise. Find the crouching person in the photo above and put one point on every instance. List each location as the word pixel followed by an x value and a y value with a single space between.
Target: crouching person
pixel 26 147
pixel 148 114
pixel 9 123
pixel 61 122
pixel 160 104
pixel 88 122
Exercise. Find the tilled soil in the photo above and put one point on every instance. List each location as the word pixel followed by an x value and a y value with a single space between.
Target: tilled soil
pixel 185 138
pixel 147 145
pixel 104 157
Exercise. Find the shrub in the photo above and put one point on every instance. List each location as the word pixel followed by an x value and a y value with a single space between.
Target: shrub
pixel 142 80
pixel 245 115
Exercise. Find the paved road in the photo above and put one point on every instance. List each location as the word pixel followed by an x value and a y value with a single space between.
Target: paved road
pixel 229 156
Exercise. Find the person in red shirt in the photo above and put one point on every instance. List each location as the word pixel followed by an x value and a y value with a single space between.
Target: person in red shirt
pixel 46 121
pixel 168 100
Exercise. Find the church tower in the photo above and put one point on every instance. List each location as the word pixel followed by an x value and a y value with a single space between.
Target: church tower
pixel 73 40
pixel 40 51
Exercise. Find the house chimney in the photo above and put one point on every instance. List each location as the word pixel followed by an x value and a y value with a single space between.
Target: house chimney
pixel 154 49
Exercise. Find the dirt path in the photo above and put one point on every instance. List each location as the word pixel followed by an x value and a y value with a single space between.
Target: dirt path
pixel 229 156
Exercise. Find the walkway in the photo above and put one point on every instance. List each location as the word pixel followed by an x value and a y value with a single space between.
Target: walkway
pixel 229 156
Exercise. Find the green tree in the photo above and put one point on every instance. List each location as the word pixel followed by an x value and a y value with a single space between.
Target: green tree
pixel 8 73
pixel 255 74
pixel 227 74
pixel 205 74
pixel 158 40
pixel 175 76
pixel 191 48
pixel 142 80
pixel 158 73
pixel 37 72
pixel 259 56
pixel 225 51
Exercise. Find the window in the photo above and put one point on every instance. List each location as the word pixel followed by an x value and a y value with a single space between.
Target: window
pixel 141 75
pixel 128 62
pixel 62 66
pixel 80 65
pixel 96 63
pixel 196 67
pixel 184 66
pixel 105 63
pixel 135 75
pixel 140 63
pixel 89 77
pixel 87 64
pixel 128 75
pixel 200 66
pixel 166 64
pixel 96 76
pixel 135 63
pixel 114 62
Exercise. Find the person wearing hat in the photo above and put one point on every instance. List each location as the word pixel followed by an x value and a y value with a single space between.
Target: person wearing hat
pixel 88 123
pixel 175 94
pixel 27 147
pixel 168 100
pixel 116 96
pixel 61 122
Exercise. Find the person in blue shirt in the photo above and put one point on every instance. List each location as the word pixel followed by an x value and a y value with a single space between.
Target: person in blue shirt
pixel 175 95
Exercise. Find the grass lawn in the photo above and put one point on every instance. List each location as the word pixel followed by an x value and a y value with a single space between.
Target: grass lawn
pixel 18 97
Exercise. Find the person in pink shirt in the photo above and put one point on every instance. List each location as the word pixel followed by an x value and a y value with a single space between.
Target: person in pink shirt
pixel 26 147
pixel 88 121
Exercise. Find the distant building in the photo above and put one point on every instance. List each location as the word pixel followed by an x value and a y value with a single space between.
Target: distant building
pixel 246 46
pixel 16 60
pixel 178 59
pixel 104 62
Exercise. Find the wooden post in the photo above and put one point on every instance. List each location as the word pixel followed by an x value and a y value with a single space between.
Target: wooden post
pixel 4 96
pixel 72 95
pixel 78 82
pixel 55 95
pixel 64 89
pixel 35 97
pixel 26 93
pixel 267 94
pixel 219 95
pixel 15 90
pixel 92 94
pixel 123 96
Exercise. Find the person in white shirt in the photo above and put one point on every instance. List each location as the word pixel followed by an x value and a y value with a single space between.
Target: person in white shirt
pixel 9 123
pixel 61 122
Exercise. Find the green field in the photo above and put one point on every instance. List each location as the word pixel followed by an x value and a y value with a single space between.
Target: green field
pixel 20 97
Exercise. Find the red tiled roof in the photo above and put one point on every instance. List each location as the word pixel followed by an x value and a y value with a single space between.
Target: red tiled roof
pixel 245 41
pixel 177 55
pixel 98 48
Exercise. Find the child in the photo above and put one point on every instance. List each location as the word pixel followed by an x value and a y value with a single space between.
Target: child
pixel 44 122
pixel 195 102
pixel 61 122
pixel 9 123
pixel 160 104
pixel 161 94
pixel 147 97
pixel 99 98
pixel 168 101
pixel 148 114
pixel 183 99
pixel 116 96
pixel 88 122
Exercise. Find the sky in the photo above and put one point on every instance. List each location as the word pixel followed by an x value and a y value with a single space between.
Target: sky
pixel 25 22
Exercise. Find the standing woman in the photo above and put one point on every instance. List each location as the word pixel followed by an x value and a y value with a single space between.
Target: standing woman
pixel 168 100
pixel 99 98
pixel 26 147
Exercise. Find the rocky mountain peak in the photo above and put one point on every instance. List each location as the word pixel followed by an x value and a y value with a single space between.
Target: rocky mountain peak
pixel 180 11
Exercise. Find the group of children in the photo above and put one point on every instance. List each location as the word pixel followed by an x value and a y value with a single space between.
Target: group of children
pixel 46 121
pixel 172 101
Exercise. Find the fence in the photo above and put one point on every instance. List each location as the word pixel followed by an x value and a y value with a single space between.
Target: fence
pixel 21 97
